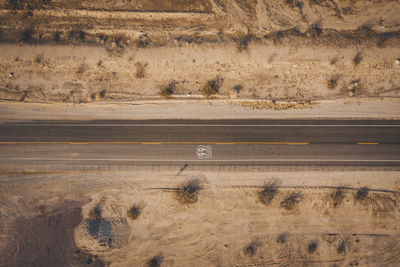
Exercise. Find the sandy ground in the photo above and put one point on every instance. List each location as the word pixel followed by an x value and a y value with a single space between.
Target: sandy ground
pixel 214 231
pixel 387 108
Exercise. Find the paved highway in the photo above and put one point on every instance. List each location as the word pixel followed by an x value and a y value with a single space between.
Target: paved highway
pixel 199 143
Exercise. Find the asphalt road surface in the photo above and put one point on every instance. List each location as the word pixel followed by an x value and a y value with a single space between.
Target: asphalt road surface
pixel 199 143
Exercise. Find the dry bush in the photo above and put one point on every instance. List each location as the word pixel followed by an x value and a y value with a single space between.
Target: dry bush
pixel 81 69
pixel 312 247
pixel 337 197
pixel 269 192
pixel 143 41
pixel 167 91
pixel 27 35
pixel 358 58
pixel 39 59
pixel 281 238
pixel 95 213
pixel 77 35
pixel 238 88
pixel 278 36
pixel 335 60
pixel 156 261
pixel 188 193
pixel 315 30
pixel 251 249
pixel 362 194
pixel 211 87
pixel 57 36
pixel 140 69
pixel 244 41
pixel 291 200
pixel 341 249
pixel 333 82
pixel 135 210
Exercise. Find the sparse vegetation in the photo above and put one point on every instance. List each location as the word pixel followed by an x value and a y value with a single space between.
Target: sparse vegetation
pixel 77 35
pixel 57 36
pixel 135 210
pixel 251 249
pixel 269 192
pixel 39 59
pixel 312 247
pixel 156 261
pixel 143 41
pixel 315 30
pixel 281 239
pixel 238 88
pixel 341 249
pixel 358 58
pixel 335 60
pixel 95 213
pixel 27 35
pixel 81 69
pixel 362 194
pixel 244 41
pixel 333 82
pixel 188 193
pixel 337 197
pixel 291 200
pixel 140 69
pixel 211 88
pixel 167 91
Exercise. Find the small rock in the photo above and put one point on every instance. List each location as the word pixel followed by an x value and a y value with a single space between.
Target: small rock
pixel 11 74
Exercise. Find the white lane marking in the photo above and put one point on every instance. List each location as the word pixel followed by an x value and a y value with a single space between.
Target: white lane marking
pixel 215 160
pixel 200 125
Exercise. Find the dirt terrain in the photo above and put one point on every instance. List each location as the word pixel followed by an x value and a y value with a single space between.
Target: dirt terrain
pixel 84 218
pixel 288 50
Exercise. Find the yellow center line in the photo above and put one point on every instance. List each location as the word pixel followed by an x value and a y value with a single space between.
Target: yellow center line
pixel 368 143
pixel 151 143
pixel 78 143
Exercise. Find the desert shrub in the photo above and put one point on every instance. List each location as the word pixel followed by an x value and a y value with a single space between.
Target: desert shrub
pixel 291 200
pixel 167 91
pixel 156 261
pixel 212 87
pixel 27 35
pixel 77 35
pixel 238 88
pixel 281 239
pixel 244 41
pixel 39 59
pixel 333 82
pixel 143 41
pixel 315 30
pixel 57 36
pixel 278 36
pixel 334 60
pixel 140 69
pixel 135 211
pixel 81 69
pixel 362 194
pixel 358 58
pixel 337 197
pixel 251 249
pixel 188 193
pixel 269 192
pixel 95 213
pixel 312 247
pixel 341 249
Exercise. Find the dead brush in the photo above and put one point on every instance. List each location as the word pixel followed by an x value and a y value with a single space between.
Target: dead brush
pixel 211 88
pixel 269 192
pixel 358 58
pixel 188 193
pixel 337 197
pixel 156 261
pixel 333 82
pixel 251 249
pixel 135 210
pixel 291 200
pixel 140 69
pixel 95 213
pixel 362 194
pixel 167 91
pixel 341 249
pixel 312 247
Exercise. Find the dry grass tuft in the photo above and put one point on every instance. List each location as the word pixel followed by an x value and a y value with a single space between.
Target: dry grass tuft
pixel 167 91
pixel 341 249
pixel 156 261
pixel 140 69
pixel 333 82
pixel 95 213
pixel 312 247
pixel 362 194
pixel 135 210
pixel 269 192
pixel 358 58
pixel 251 249
pixel 291 200
pixel 337 197
pixel 188 193
pixel 281 238
pixel 210 89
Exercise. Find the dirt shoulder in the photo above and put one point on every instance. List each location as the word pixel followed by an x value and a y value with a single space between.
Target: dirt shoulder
pixel 387 108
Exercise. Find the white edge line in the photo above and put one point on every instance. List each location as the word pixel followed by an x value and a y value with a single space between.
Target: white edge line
pixel 215 160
